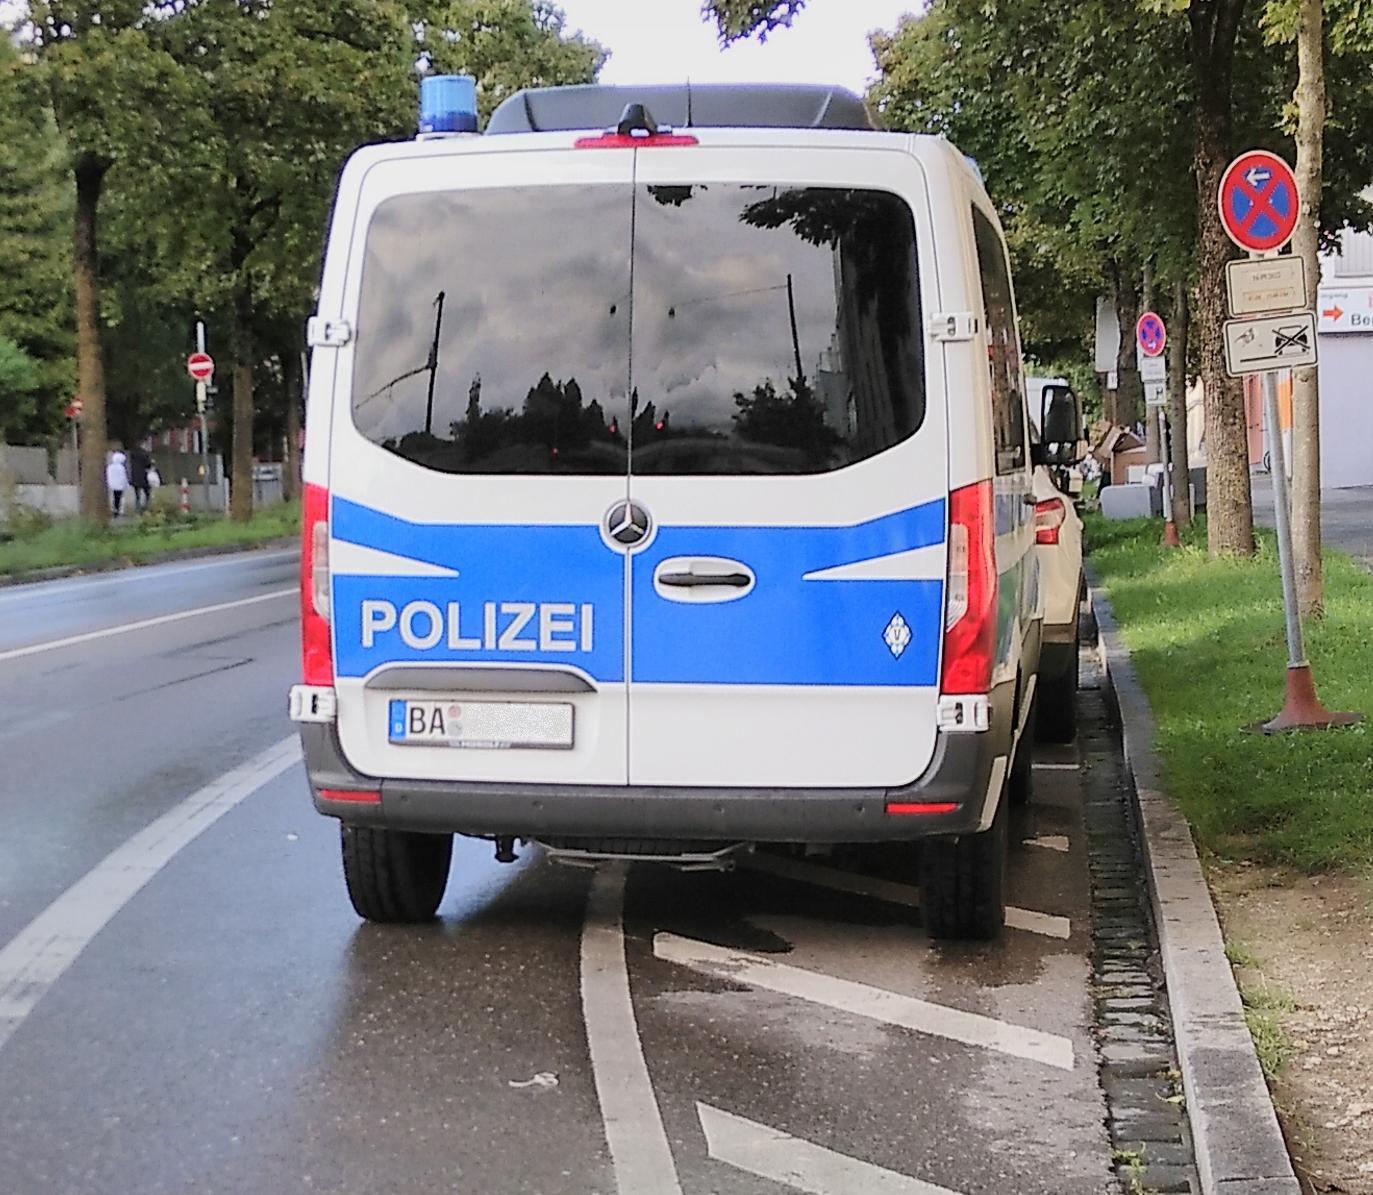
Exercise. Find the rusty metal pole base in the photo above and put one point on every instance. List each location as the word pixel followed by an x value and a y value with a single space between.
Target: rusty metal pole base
pixel 1170 535
pixel 1302 709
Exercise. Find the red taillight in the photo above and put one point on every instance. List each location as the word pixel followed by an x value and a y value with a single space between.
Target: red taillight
pixel 364 796
pixel 624 141
pixel 970 613
pixel 318 659
pixel 1049 517
pixel 917 807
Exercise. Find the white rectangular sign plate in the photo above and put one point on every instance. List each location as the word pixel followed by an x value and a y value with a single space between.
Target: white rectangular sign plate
pixel 1153 369
pixel 1270 342
pixel 1345 309
pixel 1264 284
pixel 1155 394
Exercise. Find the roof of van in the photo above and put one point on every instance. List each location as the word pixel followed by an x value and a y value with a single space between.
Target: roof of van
pixel 682 105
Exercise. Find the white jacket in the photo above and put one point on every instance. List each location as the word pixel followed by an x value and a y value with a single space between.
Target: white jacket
pixel 116 474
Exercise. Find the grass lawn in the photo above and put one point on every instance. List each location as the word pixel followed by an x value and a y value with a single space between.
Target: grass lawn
pixel 37 544
pixel 1207 641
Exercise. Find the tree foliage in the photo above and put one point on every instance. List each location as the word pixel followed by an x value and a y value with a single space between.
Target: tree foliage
pixel 35 224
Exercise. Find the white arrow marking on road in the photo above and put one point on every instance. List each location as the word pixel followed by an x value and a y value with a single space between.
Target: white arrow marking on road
pixel 845 995
pixel 124 628
pixel 772 1154
pixel 1049 842
pixel 1257 176
pixel 1050 925
pixel 639 1152
pixel 39 955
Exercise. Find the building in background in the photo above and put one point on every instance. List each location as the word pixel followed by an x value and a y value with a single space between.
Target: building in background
pixel 1344 326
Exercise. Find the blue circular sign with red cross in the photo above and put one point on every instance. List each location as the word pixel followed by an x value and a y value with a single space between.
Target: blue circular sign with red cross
pixel 1150 334
pixel 1259 203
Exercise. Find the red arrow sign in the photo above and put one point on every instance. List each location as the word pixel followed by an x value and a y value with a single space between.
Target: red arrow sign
pixel 200 366
pixel 1334 312
pixel 74 409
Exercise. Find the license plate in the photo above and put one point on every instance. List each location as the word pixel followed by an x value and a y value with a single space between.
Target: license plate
pixel 480 724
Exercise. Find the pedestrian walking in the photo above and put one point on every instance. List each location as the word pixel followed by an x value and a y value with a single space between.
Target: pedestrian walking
pixel 139 464
pixel 117 480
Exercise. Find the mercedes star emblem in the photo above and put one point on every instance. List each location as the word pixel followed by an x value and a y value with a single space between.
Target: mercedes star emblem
pixel 628 524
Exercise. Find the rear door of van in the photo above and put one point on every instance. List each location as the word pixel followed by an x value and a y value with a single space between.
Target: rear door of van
pixel 479 438
pixel 789 445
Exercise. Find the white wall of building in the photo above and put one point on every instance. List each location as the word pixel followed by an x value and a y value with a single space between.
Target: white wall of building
pixel 1345 336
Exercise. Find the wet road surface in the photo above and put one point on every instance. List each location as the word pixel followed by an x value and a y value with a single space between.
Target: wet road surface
pixel 232 1026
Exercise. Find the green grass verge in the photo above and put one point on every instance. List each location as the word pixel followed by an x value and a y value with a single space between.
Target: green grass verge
pixel 72 542
pixel 1207 641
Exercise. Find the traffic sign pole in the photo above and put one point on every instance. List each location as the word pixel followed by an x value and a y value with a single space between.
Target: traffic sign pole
pixel 204 423
pixel 1259 204
pixel 1296 646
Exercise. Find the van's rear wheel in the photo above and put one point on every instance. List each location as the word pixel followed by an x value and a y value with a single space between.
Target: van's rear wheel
pixel 964 882
pixel 395 875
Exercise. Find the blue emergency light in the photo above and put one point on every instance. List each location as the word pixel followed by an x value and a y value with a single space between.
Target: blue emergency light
pixel 448 104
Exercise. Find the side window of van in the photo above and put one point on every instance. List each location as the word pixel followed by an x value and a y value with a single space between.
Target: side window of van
pixel 1008 399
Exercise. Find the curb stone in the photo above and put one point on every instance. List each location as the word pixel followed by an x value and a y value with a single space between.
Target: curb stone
pixel 1239 1145
pixel 121 563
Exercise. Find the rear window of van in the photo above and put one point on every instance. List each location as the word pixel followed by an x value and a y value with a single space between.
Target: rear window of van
pixel 703 329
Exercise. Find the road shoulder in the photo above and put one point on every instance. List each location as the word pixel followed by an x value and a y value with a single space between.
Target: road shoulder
pixel 1239 1144
pixel 120 564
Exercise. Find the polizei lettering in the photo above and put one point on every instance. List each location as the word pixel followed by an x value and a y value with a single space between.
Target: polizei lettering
pixel 494 626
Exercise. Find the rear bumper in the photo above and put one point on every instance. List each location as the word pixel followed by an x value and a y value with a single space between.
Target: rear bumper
pixel 965 772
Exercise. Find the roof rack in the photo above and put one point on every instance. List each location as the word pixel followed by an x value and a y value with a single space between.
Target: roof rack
pixel 682 106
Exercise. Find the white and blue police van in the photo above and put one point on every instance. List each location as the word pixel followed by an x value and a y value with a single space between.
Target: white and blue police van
pixel 667 492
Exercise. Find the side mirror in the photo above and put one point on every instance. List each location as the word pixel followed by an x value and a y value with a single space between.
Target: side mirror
pixel 1060 421
pixel 1060 415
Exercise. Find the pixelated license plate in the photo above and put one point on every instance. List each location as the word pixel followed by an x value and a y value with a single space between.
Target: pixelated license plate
pixel 480 724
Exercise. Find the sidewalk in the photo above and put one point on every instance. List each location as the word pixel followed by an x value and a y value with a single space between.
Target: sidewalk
pixel 1346 516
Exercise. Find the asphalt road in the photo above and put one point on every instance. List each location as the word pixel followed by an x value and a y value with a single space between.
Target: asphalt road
pixel 188 1003
pixel 1346 516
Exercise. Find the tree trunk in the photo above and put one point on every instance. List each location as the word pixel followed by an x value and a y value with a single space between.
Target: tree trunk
pixel 291 383
pixel 1129 389
pixel 241 477
pixel 1177 407
pixel 90 369
pixel 1306 437
pixel 1229 505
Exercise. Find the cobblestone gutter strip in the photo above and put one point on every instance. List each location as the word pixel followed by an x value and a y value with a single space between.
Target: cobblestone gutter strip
pixel 1239 1146
pixel 1150 1139
pixel 118 563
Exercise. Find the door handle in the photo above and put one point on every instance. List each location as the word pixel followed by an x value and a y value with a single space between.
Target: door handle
pixel 703 579
pixel 692 580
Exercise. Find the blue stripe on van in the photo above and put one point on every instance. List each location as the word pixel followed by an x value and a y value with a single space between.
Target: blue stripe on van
pixel 787 631
pixel 557 570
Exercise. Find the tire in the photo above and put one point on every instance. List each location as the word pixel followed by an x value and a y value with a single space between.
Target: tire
pixel 964 883
pixel 1056 712
pixel 395 876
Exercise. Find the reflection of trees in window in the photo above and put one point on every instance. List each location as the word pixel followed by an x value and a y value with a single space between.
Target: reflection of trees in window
pixel 554 428
pixel 791 419
pixel 878 334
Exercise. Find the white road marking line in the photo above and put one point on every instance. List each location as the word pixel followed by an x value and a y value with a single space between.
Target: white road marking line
pixel 124 628
pixel 639 1152
pixel 1050 925
pixel 772 1154
pixel 39 955
pixel 1049 842
pixel 848 996
pixel 1056 767
pixel 119 576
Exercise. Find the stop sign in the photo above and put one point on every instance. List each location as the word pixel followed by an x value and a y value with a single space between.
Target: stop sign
pixel 200 366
